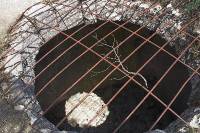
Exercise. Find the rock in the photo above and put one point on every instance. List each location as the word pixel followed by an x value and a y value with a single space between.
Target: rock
pixel 12 121
pixel 86 111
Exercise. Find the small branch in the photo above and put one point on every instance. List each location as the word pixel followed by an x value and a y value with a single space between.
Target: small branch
pixel 117 59
pixel 57 14
pixel 98 72
pixel 119 78
pixel 127 71
pixel 37 28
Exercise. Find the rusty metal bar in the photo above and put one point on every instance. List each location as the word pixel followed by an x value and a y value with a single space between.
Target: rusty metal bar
pixel 166 50
pixel 9 50
pixel 90 92
pixel 13 27
pixel 172 101
pixel 149 38
pixel 157 45
pixel 86 50
pixel 110 33
pixel 18 52
pixel 153 42
pixel 151 91
pixel 49 53
pixel 141 27
pixel 115 95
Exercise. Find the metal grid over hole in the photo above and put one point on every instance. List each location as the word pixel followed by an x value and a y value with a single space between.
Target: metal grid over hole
pixel 145 40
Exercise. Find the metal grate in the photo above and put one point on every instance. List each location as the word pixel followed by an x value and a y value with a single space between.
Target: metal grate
pixel 177 59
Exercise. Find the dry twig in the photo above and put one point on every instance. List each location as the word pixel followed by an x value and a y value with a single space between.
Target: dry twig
pixel 116 59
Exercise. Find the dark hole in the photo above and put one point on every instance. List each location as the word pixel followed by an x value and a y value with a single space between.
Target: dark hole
pixel 131 95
